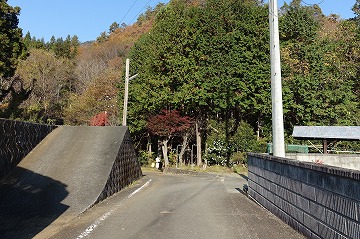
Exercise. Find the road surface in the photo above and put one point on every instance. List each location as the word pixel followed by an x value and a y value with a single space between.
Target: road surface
pixel 179 206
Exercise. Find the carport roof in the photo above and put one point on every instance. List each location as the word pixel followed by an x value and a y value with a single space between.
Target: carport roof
pixel 327 132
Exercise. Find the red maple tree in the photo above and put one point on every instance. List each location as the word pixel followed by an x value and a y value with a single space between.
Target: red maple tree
pixel 167 124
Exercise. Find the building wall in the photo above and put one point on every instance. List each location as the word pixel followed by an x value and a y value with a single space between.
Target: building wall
pixel 349 161
pixel 319 201
pixel 17 139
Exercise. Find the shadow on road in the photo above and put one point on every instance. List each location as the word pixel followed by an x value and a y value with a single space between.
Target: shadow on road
pixel 244 190
pixel 29 202
pixel 244 176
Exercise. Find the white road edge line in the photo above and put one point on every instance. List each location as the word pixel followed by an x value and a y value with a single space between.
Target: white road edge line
pixel 92 227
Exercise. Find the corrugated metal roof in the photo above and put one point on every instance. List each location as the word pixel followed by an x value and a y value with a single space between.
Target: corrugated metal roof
pixel 327 132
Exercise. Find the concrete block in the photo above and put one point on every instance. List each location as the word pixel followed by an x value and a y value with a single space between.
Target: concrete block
pixel 271 197
pixel 344 206
pixel 327 232
pixel 333 184
pixel 294 223
pixel 273 187
pixel 261 181
pixel 290 197
pixel 302 203
pixel 315 236
pixel 352 189
pixel 265 164
pixel 285 206
pixel 336 221
pixel 316 179
pixel 269 175
pixel 281 192
pixel 295 186
pixel 17 140
pixel 311 223
pixel 353 229
pixel 277 200
pixel 296 213
pixel 304 231
pixel 323 197
pixel 252 177
pixel 308 191
pixel 318 211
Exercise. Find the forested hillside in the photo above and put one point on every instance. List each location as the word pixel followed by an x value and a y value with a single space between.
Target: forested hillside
pixel 206 60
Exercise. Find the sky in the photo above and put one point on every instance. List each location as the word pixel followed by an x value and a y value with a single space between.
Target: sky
pixel 87 19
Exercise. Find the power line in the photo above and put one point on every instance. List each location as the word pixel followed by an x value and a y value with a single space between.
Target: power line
pixel 128 12
pixel 311 4
pixel 140 11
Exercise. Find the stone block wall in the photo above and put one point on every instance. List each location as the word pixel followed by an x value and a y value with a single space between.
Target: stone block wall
pixel 17 139
pixel 126 169
pixel 319 201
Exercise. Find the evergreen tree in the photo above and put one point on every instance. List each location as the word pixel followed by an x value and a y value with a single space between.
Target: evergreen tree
pixel 113 27
pixel 11 46
pixel 209 67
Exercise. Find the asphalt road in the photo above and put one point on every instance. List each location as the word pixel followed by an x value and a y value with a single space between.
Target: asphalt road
pixel 178 206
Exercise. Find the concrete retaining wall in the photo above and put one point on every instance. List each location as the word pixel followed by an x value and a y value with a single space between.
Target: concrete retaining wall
pixel 349 161
pixel 17 139
pixel 317 200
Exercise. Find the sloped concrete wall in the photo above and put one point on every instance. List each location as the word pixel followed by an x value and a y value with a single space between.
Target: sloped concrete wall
pixel 317 200
pixel 17 139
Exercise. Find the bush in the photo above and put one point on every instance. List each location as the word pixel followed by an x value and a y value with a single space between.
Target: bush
pixel 145 159
pixel 232 150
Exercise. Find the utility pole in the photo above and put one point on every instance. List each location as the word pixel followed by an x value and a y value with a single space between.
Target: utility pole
pixel 276 87
pixel 126 95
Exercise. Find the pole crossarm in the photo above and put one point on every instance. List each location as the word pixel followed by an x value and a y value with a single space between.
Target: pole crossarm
pixel 133 77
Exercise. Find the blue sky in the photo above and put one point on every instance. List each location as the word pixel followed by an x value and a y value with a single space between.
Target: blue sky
pixel 87 19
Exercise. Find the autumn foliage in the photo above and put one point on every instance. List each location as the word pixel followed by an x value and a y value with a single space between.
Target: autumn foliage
pixel 100 119
pixel 168 123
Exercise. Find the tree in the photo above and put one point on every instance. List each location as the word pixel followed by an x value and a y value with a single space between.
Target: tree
pixel 103 37
pixel 11 47
pixel 99 96
pixel 224 150
pixel 53 82
pixel 166 125
pixel 319 67
pixel 113 27
pixel 356 10
pixel 204 65
pixel 13 96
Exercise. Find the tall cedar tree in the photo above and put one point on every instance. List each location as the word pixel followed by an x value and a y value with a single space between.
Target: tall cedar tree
pixel 11 47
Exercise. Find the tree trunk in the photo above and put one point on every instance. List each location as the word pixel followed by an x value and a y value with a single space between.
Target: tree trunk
pixel 183 147
pixel 149 148
pixel 198 143
pixel 165 151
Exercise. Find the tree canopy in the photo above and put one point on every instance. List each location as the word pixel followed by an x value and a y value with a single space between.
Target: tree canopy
pixel 11 47
pixel 206 59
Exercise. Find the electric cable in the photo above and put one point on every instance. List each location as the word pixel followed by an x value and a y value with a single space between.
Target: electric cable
pixel 128 11
pixel 140 11
pixel 311 4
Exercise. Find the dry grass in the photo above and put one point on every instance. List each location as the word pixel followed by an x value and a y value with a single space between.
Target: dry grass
pixel 239 169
